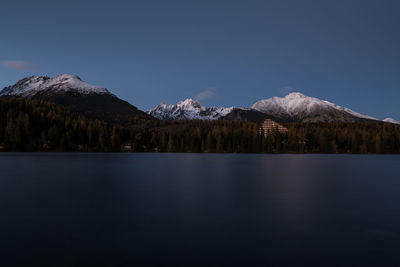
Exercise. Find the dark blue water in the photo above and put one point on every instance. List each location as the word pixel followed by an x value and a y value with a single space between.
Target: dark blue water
pixel 199 210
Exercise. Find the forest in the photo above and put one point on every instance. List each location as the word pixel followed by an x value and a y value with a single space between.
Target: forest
pixel 29 125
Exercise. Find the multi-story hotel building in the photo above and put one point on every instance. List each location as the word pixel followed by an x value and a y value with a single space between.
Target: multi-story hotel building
pixel 269 126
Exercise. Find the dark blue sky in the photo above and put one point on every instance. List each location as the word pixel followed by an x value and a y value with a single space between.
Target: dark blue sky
pixel 146 52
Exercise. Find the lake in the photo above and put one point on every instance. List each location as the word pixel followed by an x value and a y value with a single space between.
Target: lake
pixel 78 209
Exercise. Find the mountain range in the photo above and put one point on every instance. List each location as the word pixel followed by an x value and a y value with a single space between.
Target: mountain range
pixel 98 103
pixel 294 107
pixel 188 109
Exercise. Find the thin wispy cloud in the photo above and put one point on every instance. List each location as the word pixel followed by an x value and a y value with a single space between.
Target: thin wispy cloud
pixel 287 90
pixel 16 64
pixel 205 94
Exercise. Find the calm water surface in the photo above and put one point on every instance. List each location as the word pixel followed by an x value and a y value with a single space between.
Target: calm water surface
pixel 199 210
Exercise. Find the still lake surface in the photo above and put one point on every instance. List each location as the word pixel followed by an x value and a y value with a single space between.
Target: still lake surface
pixel 78 209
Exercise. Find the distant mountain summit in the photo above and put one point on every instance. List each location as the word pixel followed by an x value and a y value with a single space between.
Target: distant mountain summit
pixel 188 110
pixel 298 107
pixel 71 92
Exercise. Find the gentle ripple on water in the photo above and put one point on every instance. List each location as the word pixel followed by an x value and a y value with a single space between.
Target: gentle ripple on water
pixel 78 209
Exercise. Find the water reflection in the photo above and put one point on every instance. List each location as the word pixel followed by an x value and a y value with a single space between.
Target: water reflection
pixel 199 209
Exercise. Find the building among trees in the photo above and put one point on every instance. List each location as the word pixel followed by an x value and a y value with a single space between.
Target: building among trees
pixel 269 126
pixel 29 125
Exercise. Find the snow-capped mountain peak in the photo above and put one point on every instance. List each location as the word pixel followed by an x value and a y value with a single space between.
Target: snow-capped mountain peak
pixel 189 104
pixel 300 107
pixel 73 82
pixel 294 95
pixel 188 109
pixel 292 104
pixel 30 86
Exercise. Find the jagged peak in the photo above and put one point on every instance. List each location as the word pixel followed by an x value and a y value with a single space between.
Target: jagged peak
pixel 189 102
pixel 295 95
pixel 66 77
pixel 31 79
pixel 188 109
pixel 186 101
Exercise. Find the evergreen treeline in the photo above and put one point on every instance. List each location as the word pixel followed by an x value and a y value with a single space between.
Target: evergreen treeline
pixel 27 125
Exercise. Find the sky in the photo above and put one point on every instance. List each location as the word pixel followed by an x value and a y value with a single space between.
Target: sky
pixel 223 53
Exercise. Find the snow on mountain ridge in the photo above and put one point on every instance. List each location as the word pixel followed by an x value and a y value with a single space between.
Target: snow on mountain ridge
pixel 298 105
pixel 291 104
pixel 350 111
pixel 190 104
pixel 188 109
pixel 293 107
pixel 32 85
